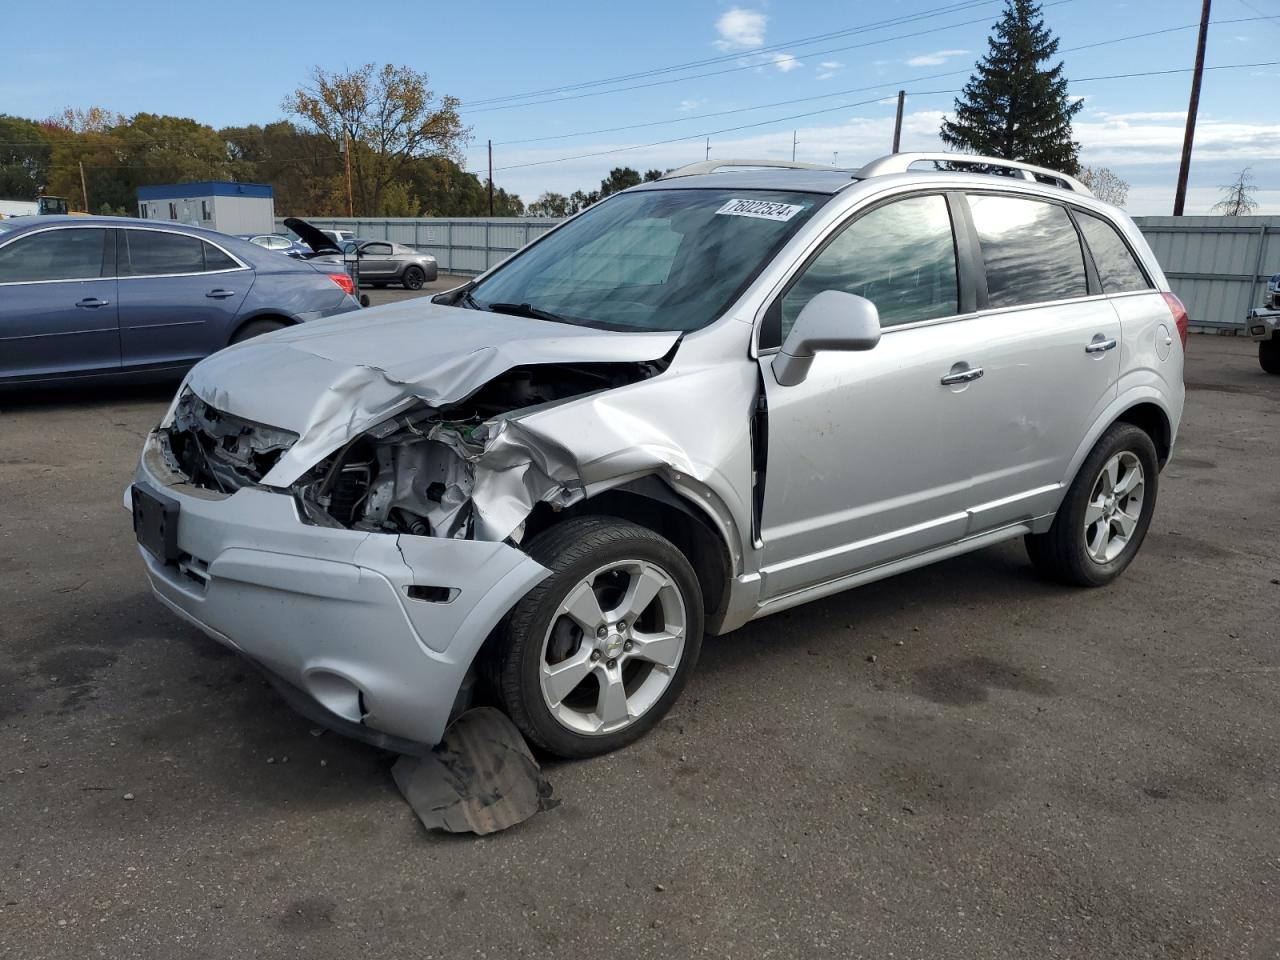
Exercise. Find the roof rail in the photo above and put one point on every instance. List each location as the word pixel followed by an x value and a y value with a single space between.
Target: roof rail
pixel 901 162
pixel 711 166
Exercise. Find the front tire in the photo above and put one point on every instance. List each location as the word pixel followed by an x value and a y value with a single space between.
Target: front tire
pixel 592 657
pixel 1105 515
pixel 1269 354
pixel 414 278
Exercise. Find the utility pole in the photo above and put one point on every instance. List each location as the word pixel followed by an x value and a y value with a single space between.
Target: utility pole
pixel 793 145
pixel 897 124
pixel 708 155
pixel 84 190
pixel 1184 169
pixel 346 152
pixel 835 157
pixel 491 178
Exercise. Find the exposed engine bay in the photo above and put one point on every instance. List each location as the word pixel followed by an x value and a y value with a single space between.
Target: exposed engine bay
pixel 415 473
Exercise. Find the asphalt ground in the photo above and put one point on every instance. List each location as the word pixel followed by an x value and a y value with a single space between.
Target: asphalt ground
pixel 962 761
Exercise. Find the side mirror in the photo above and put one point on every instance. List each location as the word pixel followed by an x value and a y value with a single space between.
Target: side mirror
pixel 832 320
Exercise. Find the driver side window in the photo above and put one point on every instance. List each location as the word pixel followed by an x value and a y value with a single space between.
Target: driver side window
pixel 900 256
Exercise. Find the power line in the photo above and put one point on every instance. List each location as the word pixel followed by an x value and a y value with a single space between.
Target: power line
pixel 844 106
pixel 888 84
pixel 770 48
pixel 739 68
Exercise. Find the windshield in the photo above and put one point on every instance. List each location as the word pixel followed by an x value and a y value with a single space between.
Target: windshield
pixel 650 260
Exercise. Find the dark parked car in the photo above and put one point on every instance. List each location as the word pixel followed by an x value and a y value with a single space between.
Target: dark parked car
pixel 108 297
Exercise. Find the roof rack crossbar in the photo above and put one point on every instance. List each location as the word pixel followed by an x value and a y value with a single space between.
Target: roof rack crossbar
pixel 711 166
pixel 902 162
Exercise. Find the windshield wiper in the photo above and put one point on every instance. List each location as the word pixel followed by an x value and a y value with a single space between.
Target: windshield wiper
pixel 528 310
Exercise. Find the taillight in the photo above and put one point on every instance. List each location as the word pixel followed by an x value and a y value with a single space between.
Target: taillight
pixel 348 285
pixel 1180 317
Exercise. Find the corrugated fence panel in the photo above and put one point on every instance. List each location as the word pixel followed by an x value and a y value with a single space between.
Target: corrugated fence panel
pixel 1218 266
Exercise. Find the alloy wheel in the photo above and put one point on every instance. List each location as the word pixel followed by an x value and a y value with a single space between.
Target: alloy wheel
pixel 1115 507
pixel 613 647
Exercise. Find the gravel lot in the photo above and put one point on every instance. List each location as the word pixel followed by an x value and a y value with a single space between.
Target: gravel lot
pixel 1023 771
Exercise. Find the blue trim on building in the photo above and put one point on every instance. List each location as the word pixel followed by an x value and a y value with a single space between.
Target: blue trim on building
pixel 205 188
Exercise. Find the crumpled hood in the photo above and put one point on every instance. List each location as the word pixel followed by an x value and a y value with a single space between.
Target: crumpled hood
pixel 328 380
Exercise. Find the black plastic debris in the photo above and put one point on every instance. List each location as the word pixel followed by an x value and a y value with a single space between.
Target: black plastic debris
pixel 481 778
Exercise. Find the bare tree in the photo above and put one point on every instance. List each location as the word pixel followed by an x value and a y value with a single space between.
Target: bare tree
pixel 1238 196
pixel 1106 184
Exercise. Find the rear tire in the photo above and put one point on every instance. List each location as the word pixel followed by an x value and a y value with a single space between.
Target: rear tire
pixel 1105 514
pixel 256 328
pixel 414 278
pixel 1269 354
pixel 619 617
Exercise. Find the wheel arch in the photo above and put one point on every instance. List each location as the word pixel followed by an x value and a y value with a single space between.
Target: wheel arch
pixel 1142 406
pixel 243 321
pixel 653 503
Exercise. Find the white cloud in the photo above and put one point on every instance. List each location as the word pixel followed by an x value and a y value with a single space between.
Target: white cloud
pixel 688 106
pixel 741 29
pixel 785 62
pixel 828 69
pixel 934 59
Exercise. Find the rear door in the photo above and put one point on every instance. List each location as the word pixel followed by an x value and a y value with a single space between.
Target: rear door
pixel 1048 342
pixel 58 310
pixel 179 296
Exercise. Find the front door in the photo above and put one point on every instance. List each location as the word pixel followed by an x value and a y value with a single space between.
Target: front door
pixel 869 457
pixel 376 262
pixel 58 304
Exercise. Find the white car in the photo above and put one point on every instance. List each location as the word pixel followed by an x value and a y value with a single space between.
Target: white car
pixel 706 399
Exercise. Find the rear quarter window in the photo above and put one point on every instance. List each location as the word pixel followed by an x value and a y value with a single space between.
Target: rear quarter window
pixel 1118 269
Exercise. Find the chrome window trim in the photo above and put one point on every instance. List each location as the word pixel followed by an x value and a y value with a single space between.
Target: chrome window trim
pixel 133 276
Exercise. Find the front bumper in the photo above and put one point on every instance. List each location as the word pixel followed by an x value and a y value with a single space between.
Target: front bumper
pixel 1263 324
pixel 328 612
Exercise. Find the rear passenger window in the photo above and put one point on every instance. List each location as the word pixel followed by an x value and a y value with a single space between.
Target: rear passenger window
pixel 152 253
pixel 1117 268
pixel 901 257
pixel 1031 251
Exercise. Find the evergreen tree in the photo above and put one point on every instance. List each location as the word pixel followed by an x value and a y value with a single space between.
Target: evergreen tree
pixel 1015 106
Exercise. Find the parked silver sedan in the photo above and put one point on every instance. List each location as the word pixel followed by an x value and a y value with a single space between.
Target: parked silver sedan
pixel 383 262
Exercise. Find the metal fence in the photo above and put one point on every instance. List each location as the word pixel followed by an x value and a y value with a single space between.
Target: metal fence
pixel 462 245
pixel 1218 266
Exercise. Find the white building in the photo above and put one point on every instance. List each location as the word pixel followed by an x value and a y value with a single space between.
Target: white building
pixel 226 207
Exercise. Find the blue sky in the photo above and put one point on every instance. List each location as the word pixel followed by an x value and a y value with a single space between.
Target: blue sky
pixel 233 62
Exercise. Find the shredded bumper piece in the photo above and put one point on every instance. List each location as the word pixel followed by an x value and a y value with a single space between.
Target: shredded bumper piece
pixel 378 630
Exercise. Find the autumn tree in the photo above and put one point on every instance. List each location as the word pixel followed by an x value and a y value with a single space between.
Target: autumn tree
pixel 24 158
pixel 550 205
pixel 1238 198
pixel 1105 184
pixel 387 115
pixel 1015 105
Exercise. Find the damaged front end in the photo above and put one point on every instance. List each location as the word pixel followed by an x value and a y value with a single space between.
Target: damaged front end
pixel 464 470
pixel 217 450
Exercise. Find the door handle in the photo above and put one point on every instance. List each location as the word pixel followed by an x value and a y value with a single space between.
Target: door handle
pixel 92 302
pixel 1100 344
pixel 220 294
pixel 962 376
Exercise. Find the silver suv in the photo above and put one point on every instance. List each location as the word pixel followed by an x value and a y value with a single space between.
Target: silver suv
pixel 704 400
